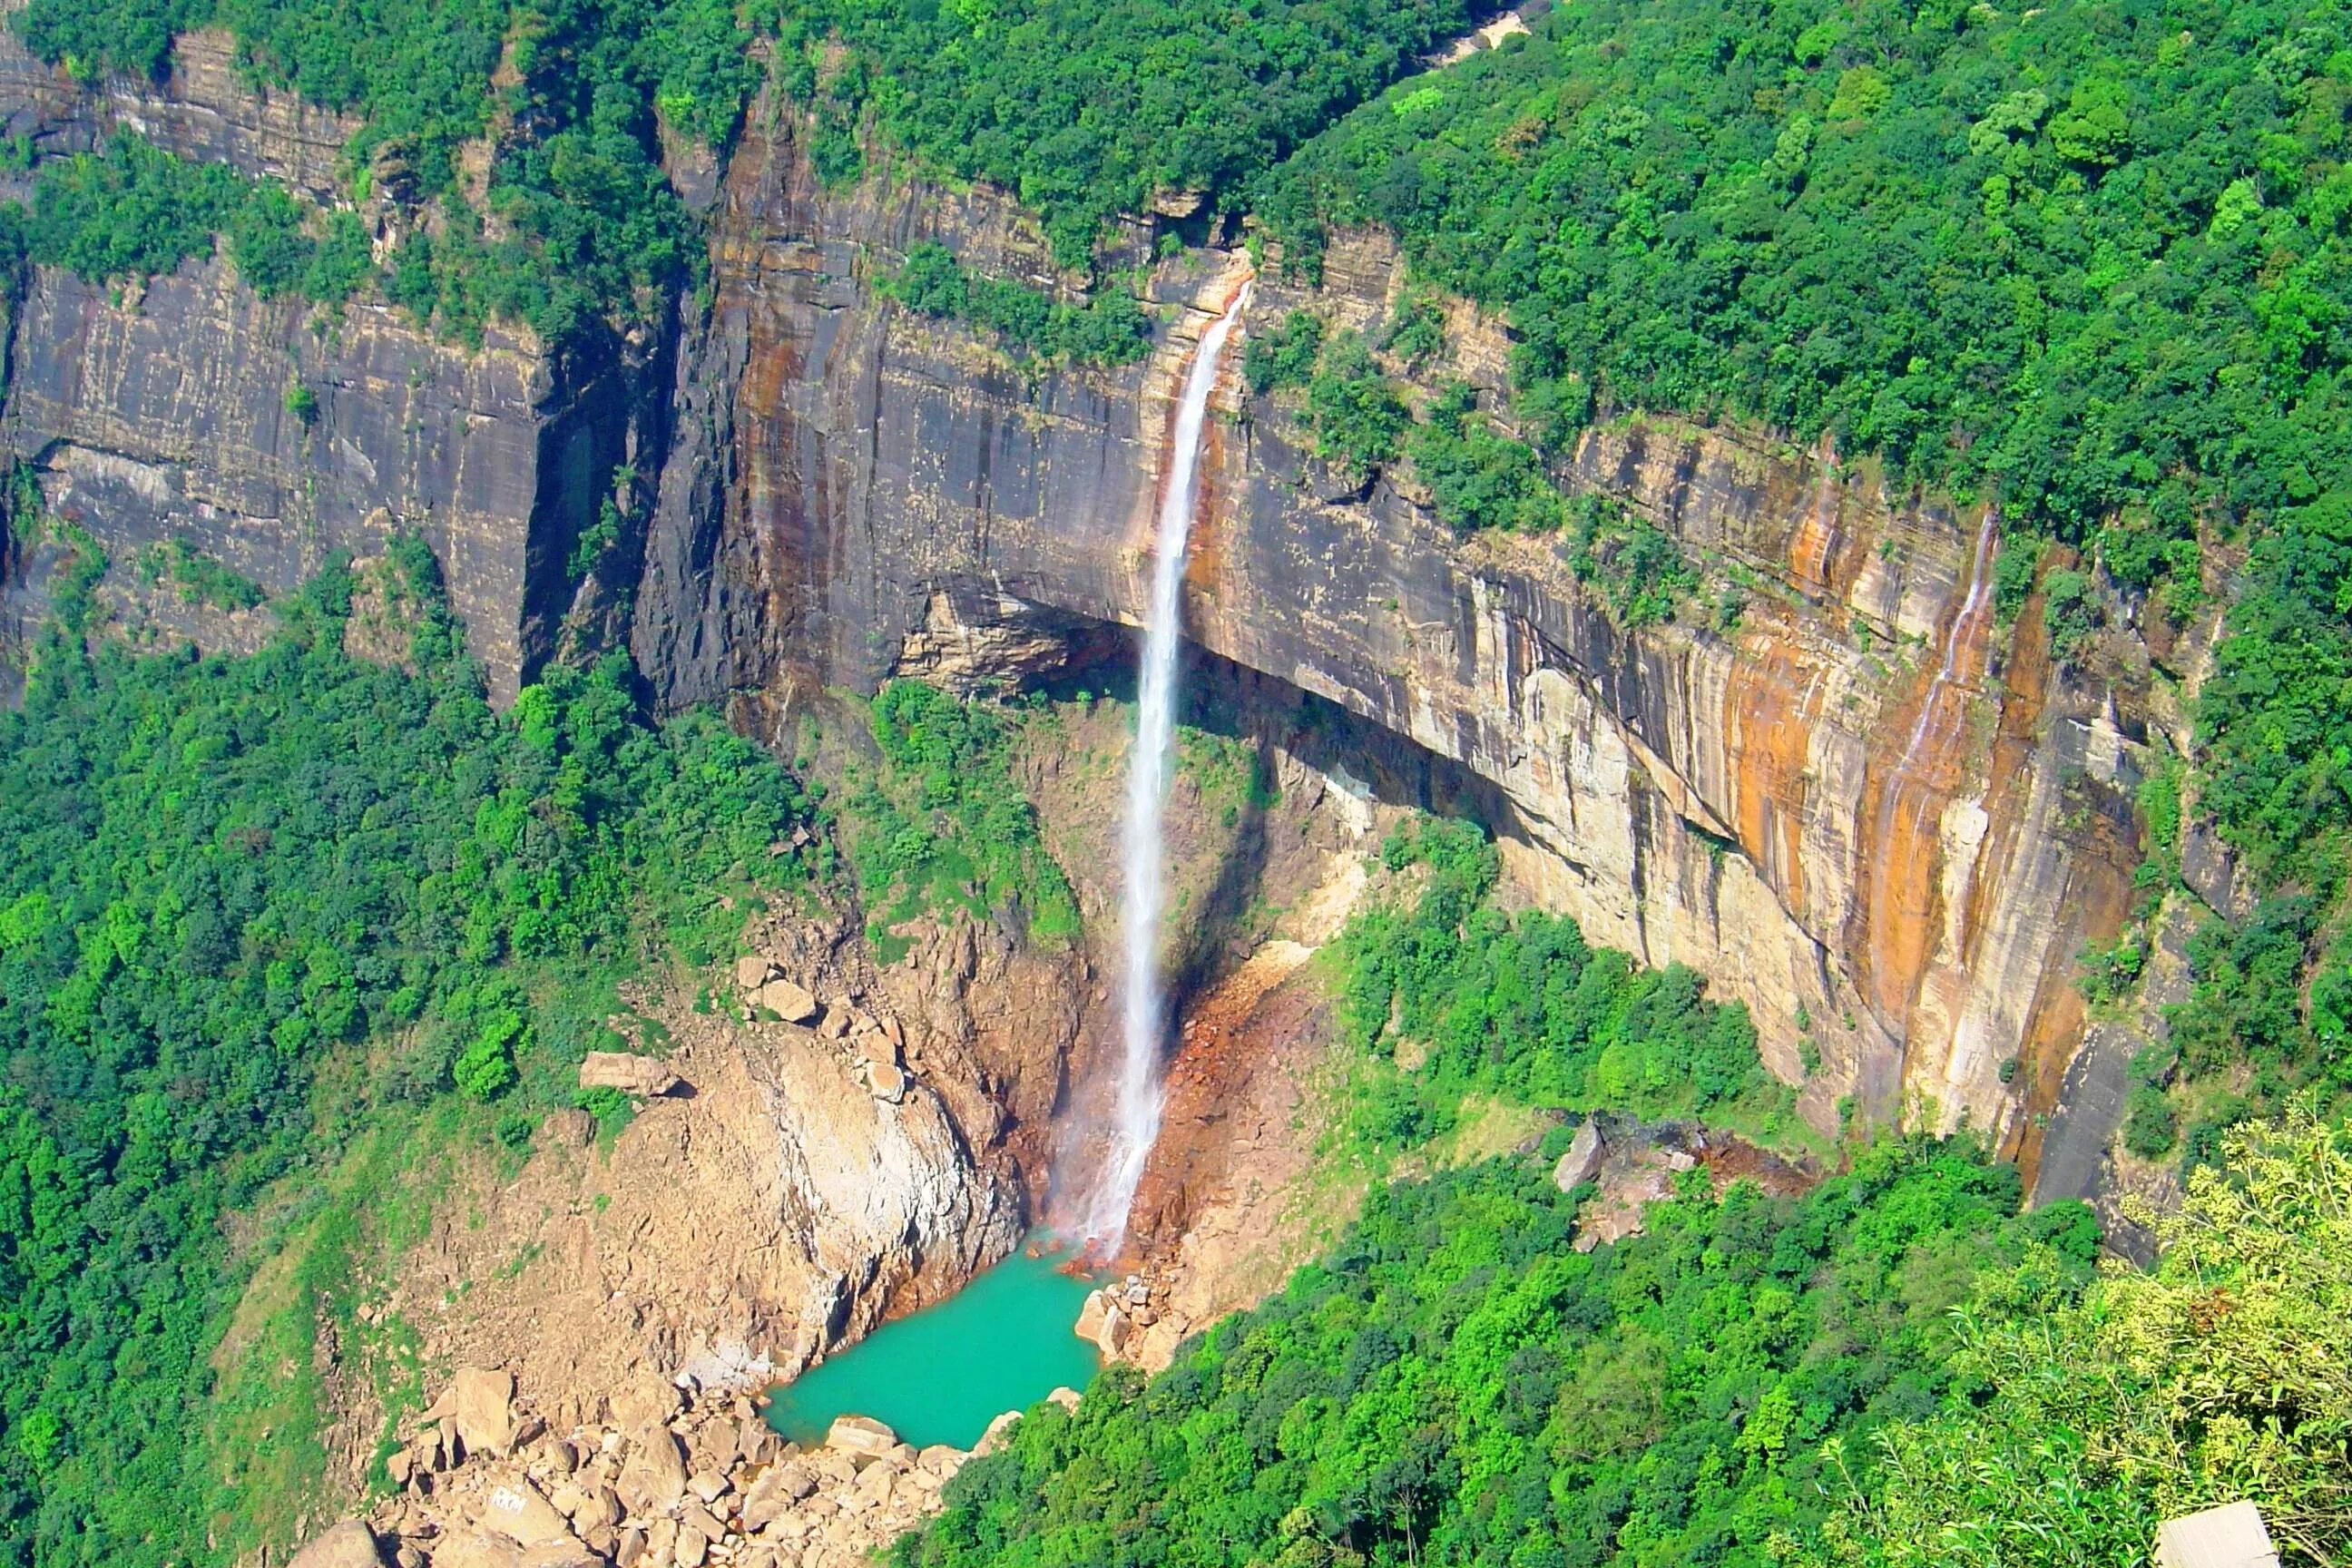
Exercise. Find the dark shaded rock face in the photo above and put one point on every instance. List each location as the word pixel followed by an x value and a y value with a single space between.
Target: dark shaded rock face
pixel 164 412
pixel 1883 822
pixel 169 419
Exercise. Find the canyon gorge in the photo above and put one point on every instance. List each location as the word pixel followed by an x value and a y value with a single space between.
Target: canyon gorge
pixel 1884 818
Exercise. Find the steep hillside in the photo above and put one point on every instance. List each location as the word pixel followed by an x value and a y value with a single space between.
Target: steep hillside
pixel 1851 501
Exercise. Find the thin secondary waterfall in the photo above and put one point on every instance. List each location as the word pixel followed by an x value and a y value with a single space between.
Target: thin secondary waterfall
pixel 1906 858
pixel 1144 1012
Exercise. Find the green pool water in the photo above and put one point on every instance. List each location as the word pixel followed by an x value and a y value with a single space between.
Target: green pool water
pixel 1003 1342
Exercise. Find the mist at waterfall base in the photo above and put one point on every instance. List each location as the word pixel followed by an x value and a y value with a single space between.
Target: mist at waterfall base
pixel 1143 1016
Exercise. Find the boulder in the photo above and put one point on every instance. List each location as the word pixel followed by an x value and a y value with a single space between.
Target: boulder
pixel 475 1549
pixel 888 1082
pixel 346 1545
pixel 1582 1163
pixel 876 1485
pixel 774 1491
pixel 1067 1398
pixel 860 1436
pixel 756 1441
pixel 480 1401
pixel 1102 1323
pixel 560 1554
pixel 646 1399
pixel 751 972
pixel 627 1071
pixel 519 1512
pixel 999 1433
pixel 787 1001
pixel 654 1479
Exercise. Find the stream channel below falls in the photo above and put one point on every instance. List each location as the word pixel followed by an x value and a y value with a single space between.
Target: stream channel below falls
pixel 1003 1342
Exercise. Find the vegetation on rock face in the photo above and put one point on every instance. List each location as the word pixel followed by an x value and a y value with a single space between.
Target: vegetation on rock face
pixel 589 226
pixel 1109 328
pixel 943 824
pixel 133 210
pixel 1522 1007
pixel 1455 1384
pixel 219 878
pixel 1083 114
pixel 2094 261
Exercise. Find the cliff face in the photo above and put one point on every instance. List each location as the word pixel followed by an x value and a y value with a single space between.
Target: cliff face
pixel 163 413
pixel 1881 818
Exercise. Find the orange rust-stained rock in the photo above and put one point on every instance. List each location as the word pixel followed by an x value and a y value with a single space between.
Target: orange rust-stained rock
pixel 1911 787
pixel 1748 800
pixel 1773 709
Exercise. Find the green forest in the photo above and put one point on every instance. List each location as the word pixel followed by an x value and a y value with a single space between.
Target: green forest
pixel 276 929
pixel 1896 1368
pixel 254 911
pixel 1522 1008
pixel 2088 260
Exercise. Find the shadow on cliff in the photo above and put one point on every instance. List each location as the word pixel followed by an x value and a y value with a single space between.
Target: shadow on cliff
pixel 1259 862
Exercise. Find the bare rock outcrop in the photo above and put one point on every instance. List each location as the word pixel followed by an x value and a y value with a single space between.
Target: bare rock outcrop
pixel 479 1405
pixel 706 1481
pixel 726 1237
pixel 1581 1161
pixel 349 1544
pixel 627 1071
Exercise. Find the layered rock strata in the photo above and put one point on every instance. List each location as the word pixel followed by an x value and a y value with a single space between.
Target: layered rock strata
pixel 1884 820
pixel 269 433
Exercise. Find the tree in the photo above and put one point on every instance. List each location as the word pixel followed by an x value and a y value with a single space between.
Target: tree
pixel 2217 1375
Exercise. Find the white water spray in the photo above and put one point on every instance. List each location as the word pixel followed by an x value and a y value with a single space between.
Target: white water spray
pixel 1145 1007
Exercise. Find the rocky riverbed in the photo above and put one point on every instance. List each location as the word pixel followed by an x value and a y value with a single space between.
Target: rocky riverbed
pixel 671 1476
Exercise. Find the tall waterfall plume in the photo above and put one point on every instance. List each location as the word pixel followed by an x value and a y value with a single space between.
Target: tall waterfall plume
pixel 1144 1010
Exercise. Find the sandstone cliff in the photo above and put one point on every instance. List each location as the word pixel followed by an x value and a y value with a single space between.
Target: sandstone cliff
pixel 162 412
pixel 1881 819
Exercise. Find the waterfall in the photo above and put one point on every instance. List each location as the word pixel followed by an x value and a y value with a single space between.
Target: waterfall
pixel 1906 853
pixel 1964 634
pixel 1144 1012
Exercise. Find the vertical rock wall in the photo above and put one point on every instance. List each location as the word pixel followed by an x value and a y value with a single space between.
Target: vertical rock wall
pixel 161 412
pixel 1885 823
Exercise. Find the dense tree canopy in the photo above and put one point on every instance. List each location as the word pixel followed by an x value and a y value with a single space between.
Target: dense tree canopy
pixel 215 875
pixel 1523 1007
pixel 2212 1378
pixel 1455 1384
pixel 2090 259
pixel 1086 110
pixel 592 228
